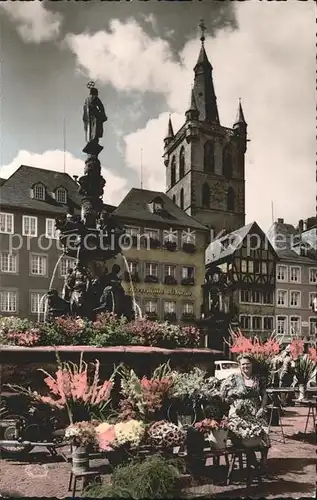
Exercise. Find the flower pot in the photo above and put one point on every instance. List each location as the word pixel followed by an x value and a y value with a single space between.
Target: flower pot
pixel 118 456
pixel 195 442
pixel 301 388
pixel 251 442
pixel 218 439
pixel 80 459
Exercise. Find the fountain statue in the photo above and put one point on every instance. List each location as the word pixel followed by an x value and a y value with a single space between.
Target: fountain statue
pixel 92 238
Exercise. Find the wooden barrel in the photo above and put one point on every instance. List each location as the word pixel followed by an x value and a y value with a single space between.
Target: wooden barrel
pixel 80 459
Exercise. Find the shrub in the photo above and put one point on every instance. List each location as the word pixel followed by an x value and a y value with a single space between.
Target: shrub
pixel 153 477
pixel 109 330
pixel 17 331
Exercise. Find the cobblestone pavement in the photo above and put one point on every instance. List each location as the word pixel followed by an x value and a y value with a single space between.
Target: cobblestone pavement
pixel 291 470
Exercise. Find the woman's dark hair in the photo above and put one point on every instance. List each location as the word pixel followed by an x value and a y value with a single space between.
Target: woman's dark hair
pixel 246 356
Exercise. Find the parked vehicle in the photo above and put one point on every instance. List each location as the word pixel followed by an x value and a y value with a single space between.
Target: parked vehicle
pixel 224 368
pixel 28 425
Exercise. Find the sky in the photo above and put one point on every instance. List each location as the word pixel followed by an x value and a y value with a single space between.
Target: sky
pixel 141 55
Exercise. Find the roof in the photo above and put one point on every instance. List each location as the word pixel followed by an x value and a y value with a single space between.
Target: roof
pixel 284 238
pixel 15 192
pixel 135 206
pixel 224 247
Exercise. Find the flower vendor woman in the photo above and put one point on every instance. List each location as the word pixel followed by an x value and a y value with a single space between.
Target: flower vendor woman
pixel 248 399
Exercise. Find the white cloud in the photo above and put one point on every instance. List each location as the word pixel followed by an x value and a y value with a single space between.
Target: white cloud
pixel 116 187
pixel 127 58
pixel 34 22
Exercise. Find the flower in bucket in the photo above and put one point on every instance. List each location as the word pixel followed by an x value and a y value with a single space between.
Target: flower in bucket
pixel 209 424
pixel 111 436
pixel 81 434
pixel 164 434
pixel 129 433
pixel 244 429
pixel 304 365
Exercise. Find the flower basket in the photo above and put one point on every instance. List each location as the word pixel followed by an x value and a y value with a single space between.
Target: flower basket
pixel 189 247
pixel 170 316
pixel 188 317
pixel 170 280
pixel 150 278
pixel 195 442
pixel 188 281
pixel 118 456
pixel 154 243
pixel 134 277
pixel 80 459
pixel 182 413
pixel 170 245
pixel 251 442
pixel 217 439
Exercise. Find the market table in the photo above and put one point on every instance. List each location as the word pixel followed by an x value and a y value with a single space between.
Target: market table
pixel 311 404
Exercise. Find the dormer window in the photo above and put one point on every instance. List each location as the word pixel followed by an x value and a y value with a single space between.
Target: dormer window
pixel 61 195
pixel 39 192
pixel 156 205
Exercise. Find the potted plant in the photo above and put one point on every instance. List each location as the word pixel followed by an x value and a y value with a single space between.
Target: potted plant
pixel 189 247
pixel 303 364
pixel 134 277
pixel 188 317
pixel 164 435
pixel 170 245
pixel 215 432
pixel 170 316
pixel 82 436
pixel 188 281
pixel 120 440
pixel 248 433
pixel 151 278
pixel 170 280
pixel 186 393
pixel 154 243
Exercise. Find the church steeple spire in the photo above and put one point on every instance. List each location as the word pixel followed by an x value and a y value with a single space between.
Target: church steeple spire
pixel 170 132
pixel 204 92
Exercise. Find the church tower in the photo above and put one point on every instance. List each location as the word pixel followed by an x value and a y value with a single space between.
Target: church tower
pixel 204 161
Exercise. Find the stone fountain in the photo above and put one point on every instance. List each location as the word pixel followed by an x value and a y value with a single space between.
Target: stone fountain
pixel 93 237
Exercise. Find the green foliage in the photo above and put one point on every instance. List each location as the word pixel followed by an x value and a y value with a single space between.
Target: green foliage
pixel 304 370
pixel 153 477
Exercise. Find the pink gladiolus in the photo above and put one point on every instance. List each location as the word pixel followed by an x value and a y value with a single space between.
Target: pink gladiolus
pixel 296 348
pixel 312 354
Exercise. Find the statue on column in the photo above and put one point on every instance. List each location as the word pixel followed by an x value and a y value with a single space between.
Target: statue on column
pixel 94 117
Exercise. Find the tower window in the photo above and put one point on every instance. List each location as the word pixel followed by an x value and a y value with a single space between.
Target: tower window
pixel 206 195
pixel 61 195
pixel 230 199
pixel 181 203
pixel 209 157
pixel 39 192
pixel 173 171
pixel 182 163
pixel 227 162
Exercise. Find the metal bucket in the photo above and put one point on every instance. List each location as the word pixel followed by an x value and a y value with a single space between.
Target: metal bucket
pixel 80 459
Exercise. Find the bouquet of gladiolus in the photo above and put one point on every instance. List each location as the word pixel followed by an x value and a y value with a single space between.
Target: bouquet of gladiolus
pixel 263 353
pixel 72 389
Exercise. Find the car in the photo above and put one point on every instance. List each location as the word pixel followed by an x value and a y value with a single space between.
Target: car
pixel 224 368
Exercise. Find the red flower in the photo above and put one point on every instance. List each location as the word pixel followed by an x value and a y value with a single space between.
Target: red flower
pixel 296 348
pixel 312 354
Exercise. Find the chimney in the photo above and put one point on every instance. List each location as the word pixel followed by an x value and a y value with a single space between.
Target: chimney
pixel 280 221
pixel 75 177
pixel 300 225
pixel 304 225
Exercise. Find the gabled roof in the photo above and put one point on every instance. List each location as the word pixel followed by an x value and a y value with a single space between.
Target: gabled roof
pixel 135 206
pixel 15 192
pixel 221 249
pixel 284 238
